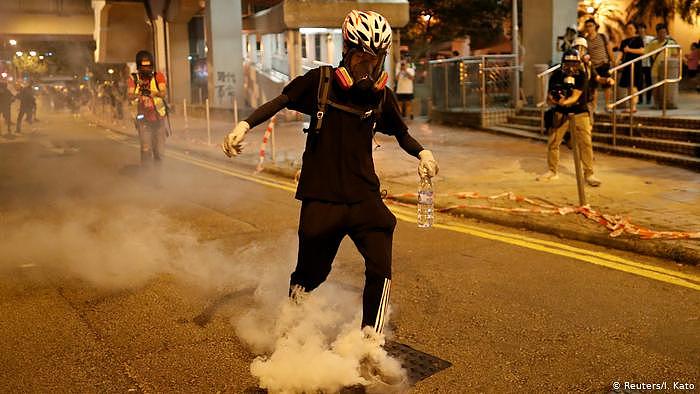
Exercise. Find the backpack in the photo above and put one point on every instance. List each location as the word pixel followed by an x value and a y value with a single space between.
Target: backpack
pixel 324 87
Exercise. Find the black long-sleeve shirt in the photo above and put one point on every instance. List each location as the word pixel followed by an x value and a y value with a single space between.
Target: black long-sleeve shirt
pixel 337 162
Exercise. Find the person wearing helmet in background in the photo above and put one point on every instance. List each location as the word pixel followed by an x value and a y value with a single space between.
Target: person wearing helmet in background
pixel 338 186
pixel 569 90
pixel 566 41
pixel 147 90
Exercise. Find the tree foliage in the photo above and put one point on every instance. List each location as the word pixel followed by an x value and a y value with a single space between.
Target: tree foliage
pixel 31 65
pixel 688 10
pixel 445 20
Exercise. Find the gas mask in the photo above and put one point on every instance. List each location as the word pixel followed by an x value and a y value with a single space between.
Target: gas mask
pixel 362 71
pixel 570 70
pixel 145 70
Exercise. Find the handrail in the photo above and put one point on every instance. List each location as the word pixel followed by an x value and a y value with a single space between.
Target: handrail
pixel 549 70
pixel 469 59
pixel 631 95
pixel 642 57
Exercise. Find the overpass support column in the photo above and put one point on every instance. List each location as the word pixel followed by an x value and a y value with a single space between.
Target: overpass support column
pixel 179 49
pixel 160 44
pixel 293 38
pixel 543 21
pixel 224 52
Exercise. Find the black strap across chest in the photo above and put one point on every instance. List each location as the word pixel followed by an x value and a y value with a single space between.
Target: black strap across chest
pixel 324 88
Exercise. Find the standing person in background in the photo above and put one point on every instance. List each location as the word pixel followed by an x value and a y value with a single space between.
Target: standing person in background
pixel 6 98
pixel 569 95
pixel 566 41
pixel 657 63
pixel 602 59
pixel 631 48
pixel 646 63
pixel 147 90
pixel 404 88
pixel 26 106
pixel 691 59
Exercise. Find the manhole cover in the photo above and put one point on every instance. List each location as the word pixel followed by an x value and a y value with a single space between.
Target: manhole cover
pixel 418 365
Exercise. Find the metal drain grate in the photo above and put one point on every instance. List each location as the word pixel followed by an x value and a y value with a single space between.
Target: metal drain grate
pixel 418 365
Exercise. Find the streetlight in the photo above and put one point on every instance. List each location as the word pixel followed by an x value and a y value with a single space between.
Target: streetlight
pixel 32 53
pixel 12 42
pixel 19 53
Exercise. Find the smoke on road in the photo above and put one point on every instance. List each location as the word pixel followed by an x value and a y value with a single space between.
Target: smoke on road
pixel 113 235
pixel 116 248
pixel 316 345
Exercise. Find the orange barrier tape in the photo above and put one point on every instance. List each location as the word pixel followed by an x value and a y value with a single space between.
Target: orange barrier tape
pixel 615 223
pixel 263 144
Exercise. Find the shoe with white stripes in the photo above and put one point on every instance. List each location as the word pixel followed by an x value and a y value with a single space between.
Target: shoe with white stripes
pixel 297 294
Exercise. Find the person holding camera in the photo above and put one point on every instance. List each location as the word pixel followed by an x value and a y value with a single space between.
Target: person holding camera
pixel 147 91
pixel 569 93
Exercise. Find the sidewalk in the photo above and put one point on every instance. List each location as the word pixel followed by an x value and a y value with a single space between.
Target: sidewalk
pixel 651 195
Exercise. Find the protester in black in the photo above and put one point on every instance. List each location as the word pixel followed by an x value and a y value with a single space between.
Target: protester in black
pixel 6 98
pixel 26 106
pixel 338 186
pixel 632 47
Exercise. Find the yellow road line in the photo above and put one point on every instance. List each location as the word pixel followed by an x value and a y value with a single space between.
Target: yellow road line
pixel 208 165
pixel 587 252
pixel 647 271
pixel 593 257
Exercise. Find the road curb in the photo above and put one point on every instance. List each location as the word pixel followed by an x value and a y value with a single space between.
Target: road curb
pixel 666 249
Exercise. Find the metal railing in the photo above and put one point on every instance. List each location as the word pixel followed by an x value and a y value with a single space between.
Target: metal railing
pixel 544 78
pixel 473 82
pixel 665 82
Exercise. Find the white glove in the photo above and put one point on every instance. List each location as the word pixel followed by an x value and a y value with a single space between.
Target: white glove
pixel 232 142
pixel 428 166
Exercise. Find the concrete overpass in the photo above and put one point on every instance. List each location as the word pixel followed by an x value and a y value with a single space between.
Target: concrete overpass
pixel 48 20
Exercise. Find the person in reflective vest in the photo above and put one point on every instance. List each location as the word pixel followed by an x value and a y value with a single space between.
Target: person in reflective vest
pixel 147 89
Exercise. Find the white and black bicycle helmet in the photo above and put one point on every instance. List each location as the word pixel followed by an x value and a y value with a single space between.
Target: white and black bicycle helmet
pixel 366 30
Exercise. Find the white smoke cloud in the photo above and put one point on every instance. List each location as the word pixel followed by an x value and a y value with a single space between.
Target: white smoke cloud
pixel 117 248
pixel 315 346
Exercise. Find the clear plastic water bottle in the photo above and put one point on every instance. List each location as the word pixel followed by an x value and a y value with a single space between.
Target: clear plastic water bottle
pixel 425 203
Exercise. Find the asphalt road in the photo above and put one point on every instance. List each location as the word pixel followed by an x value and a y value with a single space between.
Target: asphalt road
pixel 114 279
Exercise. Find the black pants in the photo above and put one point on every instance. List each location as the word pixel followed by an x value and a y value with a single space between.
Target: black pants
pixel 23 112
pixel 370 225
pixel 5 113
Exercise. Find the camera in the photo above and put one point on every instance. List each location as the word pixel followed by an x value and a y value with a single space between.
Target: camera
pixel 144 90
pixel 560 91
